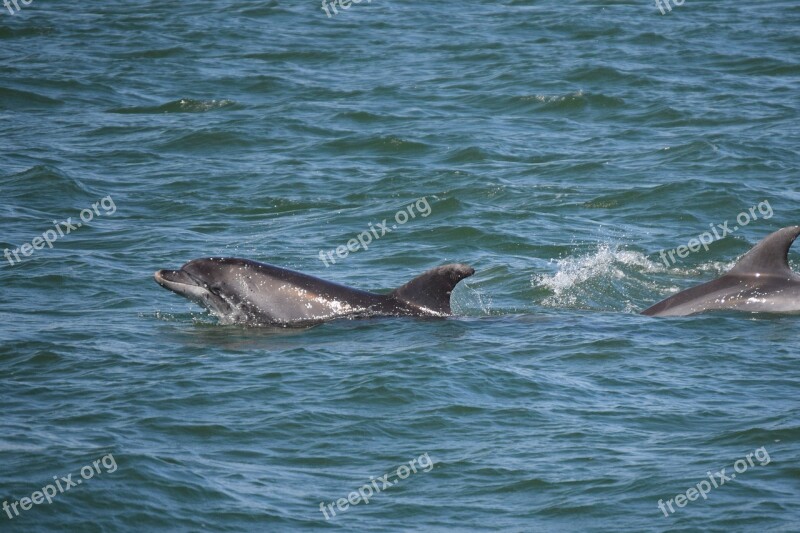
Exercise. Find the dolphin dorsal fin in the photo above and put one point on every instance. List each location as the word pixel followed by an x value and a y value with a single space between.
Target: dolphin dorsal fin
pixel 770 256
pixel 431 291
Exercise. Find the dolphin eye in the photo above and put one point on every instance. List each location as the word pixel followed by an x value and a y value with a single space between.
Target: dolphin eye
pixel 214 288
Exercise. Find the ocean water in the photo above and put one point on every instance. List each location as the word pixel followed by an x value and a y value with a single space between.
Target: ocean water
pixel 561 146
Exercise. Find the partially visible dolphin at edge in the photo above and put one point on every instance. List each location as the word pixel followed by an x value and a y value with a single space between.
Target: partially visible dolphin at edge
pixel 240 291
pixel 760 282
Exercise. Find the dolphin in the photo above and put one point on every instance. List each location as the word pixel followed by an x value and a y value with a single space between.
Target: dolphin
pixel 761 281
pixel 240 291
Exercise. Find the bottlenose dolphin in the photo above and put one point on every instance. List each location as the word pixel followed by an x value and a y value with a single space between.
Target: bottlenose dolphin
pixel 760 282
pixel 239 291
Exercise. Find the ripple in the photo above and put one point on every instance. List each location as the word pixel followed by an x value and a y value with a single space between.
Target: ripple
pixel 183 105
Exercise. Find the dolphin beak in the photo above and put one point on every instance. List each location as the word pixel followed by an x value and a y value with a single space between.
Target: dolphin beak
pixel 184 284
pixel 174 280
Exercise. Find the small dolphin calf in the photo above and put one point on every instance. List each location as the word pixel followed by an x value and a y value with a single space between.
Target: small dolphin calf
pixel 761 281
pixel 239 291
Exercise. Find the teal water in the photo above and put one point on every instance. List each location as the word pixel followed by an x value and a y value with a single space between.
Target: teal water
pixel 561 146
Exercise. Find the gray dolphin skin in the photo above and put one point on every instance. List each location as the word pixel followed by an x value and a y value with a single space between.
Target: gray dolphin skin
pixel 760 282
pixel 240 291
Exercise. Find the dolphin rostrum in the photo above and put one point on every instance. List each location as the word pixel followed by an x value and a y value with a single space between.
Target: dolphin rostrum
pixel 239 291
pixel 760 282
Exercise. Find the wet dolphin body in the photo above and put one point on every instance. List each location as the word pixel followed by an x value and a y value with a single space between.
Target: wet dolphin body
pixel 761 281
pixel 239 291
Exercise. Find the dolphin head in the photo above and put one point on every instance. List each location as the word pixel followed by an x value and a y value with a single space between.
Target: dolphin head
pixel 206 282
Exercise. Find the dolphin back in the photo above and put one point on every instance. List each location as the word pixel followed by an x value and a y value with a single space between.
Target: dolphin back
pixel 244 291
pixel 761 280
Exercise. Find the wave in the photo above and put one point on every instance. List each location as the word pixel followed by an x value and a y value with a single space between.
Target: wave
pixel 184 105
pixel 615 279
pixel 16 100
